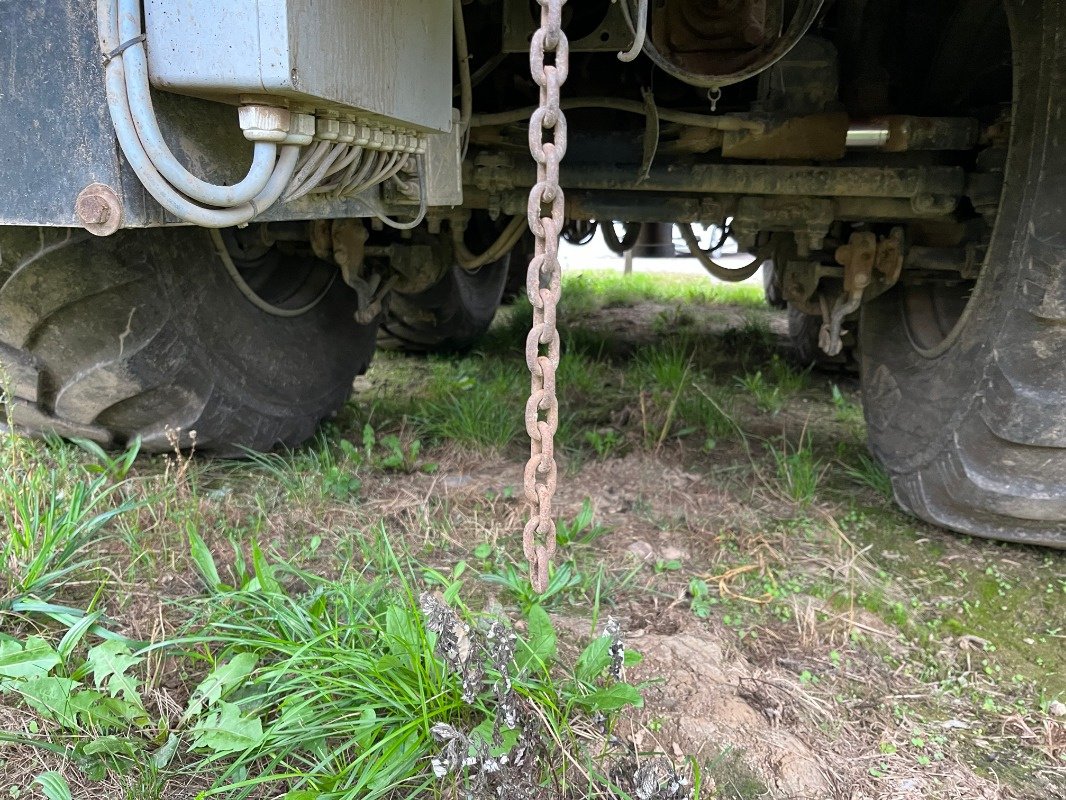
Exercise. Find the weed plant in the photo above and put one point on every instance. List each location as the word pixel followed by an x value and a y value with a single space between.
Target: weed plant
pixel 334 689
pixel 799 471
pixel 50 514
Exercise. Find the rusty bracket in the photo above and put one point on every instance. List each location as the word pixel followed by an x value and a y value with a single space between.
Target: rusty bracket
pixel 863 254
pixel 857 257
pixel 889 260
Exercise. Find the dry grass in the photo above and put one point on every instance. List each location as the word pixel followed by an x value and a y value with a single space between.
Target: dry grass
pixel 813 643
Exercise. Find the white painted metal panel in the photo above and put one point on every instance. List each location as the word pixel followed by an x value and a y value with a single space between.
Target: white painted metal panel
pixel 391 58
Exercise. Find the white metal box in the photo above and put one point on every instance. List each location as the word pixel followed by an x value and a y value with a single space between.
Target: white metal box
pixel 391 58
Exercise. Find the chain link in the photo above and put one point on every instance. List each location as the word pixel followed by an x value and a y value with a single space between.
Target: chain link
pixel 547 144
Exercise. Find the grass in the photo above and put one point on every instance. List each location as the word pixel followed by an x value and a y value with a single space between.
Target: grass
pixel 593 290
pixel 869 473
pixel 483 418
pixel 337 688
pixel 49 515
pixel 665 368
pixel 773 388
pixel 173 626
pixel 799 471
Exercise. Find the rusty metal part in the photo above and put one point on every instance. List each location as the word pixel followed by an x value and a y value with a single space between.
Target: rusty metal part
pixel 348 237
pixel 965 260
pixel 930 133
pixel 869 266
pixel 702 24
pixel 889 258
pixel 900 133
pixel 801 279
pixel 864 253
pixel 857 257
pixel 549 64
pixel 662 207
pixel 934 190
pixel 831 335
pixel 375 304
pixel 714 36
pixel 693 141
pixel 417 266
pixel 820 137
pixel 723 122
pixel 99 209
pixel 805 216
pixel 808 218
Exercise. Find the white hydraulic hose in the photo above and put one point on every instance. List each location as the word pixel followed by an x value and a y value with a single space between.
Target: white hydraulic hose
pixel 340 172
pixel 302 188
pixel 641 32
pixel 466 91
pixel 157 185
pixel 356 173
pixel 135 61
pixel 309 160
pixel 359 181
pixel 394 164
pixel 343 163
pixel 423 199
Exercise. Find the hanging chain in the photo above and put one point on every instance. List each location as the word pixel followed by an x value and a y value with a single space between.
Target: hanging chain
pixel 547 143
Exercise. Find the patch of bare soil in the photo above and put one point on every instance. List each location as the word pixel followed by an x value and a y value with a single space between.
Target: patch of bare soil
pixel 753 708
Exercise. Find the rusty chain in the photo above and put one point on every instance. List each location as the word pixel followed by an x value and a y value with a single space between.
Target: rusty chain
pixel 547 144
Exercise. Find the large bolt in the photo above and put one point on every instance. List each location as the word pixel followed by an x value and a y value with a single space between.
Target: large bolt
pixel 99 209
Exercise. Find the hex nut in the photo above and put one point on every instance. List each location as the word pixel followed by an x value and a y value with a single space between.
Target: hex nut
pixel 262 123
pixel 347 133
pixel 99 209
pixel 327 128
pixel 301 129
pixel 363 135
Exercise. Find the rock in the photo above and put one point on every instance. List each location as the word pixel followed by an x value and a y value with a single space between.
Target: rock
pixel 699 700
pixel 1057 708
pixel 669 553
pixel 642 550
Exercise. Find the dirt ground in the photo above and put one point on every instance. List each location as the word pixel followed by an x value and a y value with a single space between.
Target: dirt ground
pixel 801 637
pixel 848 651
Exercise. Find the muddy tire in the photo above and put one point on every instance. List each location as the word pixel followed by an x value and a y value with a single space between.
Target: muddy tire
pixel 964 386
pixel 457 310
pixel 145 332
pixel 450 315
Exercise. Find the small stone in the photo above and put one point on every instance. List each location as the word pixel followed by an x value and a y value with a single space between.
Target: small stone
pixel 673 554
pixel 1057 708
pixel 642 550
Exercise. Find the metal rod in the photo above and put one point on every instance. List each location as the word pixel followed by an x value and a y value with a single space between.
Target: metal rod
pixel 867 136
pixel 768 180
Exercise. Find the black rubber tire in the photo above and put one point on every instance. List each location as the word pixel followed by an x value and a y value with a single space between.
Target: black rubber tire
pixel 456 311
pixel 145 332
pixel 972 429
pixel 514 288
pixel 449 316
